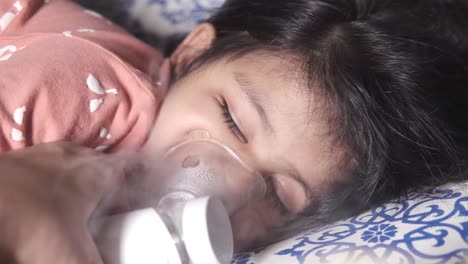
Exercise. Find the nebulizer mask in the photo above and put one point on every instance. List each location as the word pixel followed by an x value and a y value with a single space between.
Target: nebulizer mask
pixel 197 185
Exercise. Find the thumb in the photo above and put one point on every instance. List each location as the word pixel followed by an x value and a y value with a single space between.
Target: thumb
pixel 100 182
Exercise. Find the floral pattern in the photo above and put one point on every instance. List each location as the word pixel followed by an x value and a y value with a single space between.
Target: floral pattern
pixel 379 233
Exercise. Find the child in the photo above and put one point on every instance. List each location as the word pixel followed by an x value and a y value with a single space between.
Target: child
pixel 341 105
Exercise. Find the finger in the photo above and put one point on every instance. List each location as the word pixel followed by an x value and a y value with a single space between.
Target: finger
pixel 73 150
pixel 52 155
pixel 99 181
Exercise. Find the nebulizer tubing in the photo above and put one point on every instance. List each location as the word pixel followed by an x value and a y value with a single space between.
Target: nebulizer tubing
pixel 202 183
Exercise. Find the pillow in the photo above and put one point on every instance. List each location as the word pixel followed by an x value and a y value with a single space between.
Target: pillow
pixel 161 23
pixel 425 228
pixel 169 17
pixel 168 21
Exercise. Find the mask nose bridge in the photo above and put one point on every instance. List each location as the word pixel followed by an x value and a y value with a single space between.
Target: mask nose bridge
pixel 199 134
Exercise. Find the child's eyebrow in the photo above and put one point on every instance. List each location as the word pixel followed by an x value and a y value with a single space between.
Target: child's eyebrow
pixel 248 87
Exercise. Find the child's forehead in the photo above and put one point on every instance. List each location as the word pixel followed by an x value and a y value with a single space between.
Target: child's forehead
pixel 280 80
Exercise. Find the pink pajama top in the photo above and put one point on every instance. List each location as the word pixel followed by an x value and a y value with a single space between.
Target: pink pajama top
pixel 67 73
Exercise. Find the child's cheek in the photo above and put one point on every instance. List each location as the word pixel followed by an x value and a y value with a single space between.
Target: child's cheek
pixel 253 226
pixel 291 193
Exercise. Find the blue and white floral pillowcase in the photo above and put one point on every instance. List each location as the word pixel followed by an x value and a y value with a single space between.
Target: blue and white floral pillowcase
pixel 423 229
pixel 169 17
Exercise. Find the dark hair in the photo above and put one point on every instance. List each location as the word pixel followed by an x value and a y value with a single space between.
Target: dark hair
pixel 393 74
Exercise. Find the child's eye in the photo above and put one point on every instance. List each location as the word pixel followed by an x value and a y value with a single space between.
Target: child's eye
pixel 231 123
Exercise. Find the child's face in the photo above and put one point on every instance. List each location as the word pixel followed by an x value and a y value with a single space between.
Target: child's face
pixel 272 123
pixel 274 130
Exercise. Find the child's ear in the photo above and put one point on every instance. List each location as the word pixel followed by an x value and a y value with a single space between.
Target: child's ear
pixel 193 46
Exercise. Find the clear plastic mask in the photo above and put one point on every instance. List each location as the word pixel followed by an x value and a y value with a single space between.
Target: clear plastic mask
pixel 199 167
